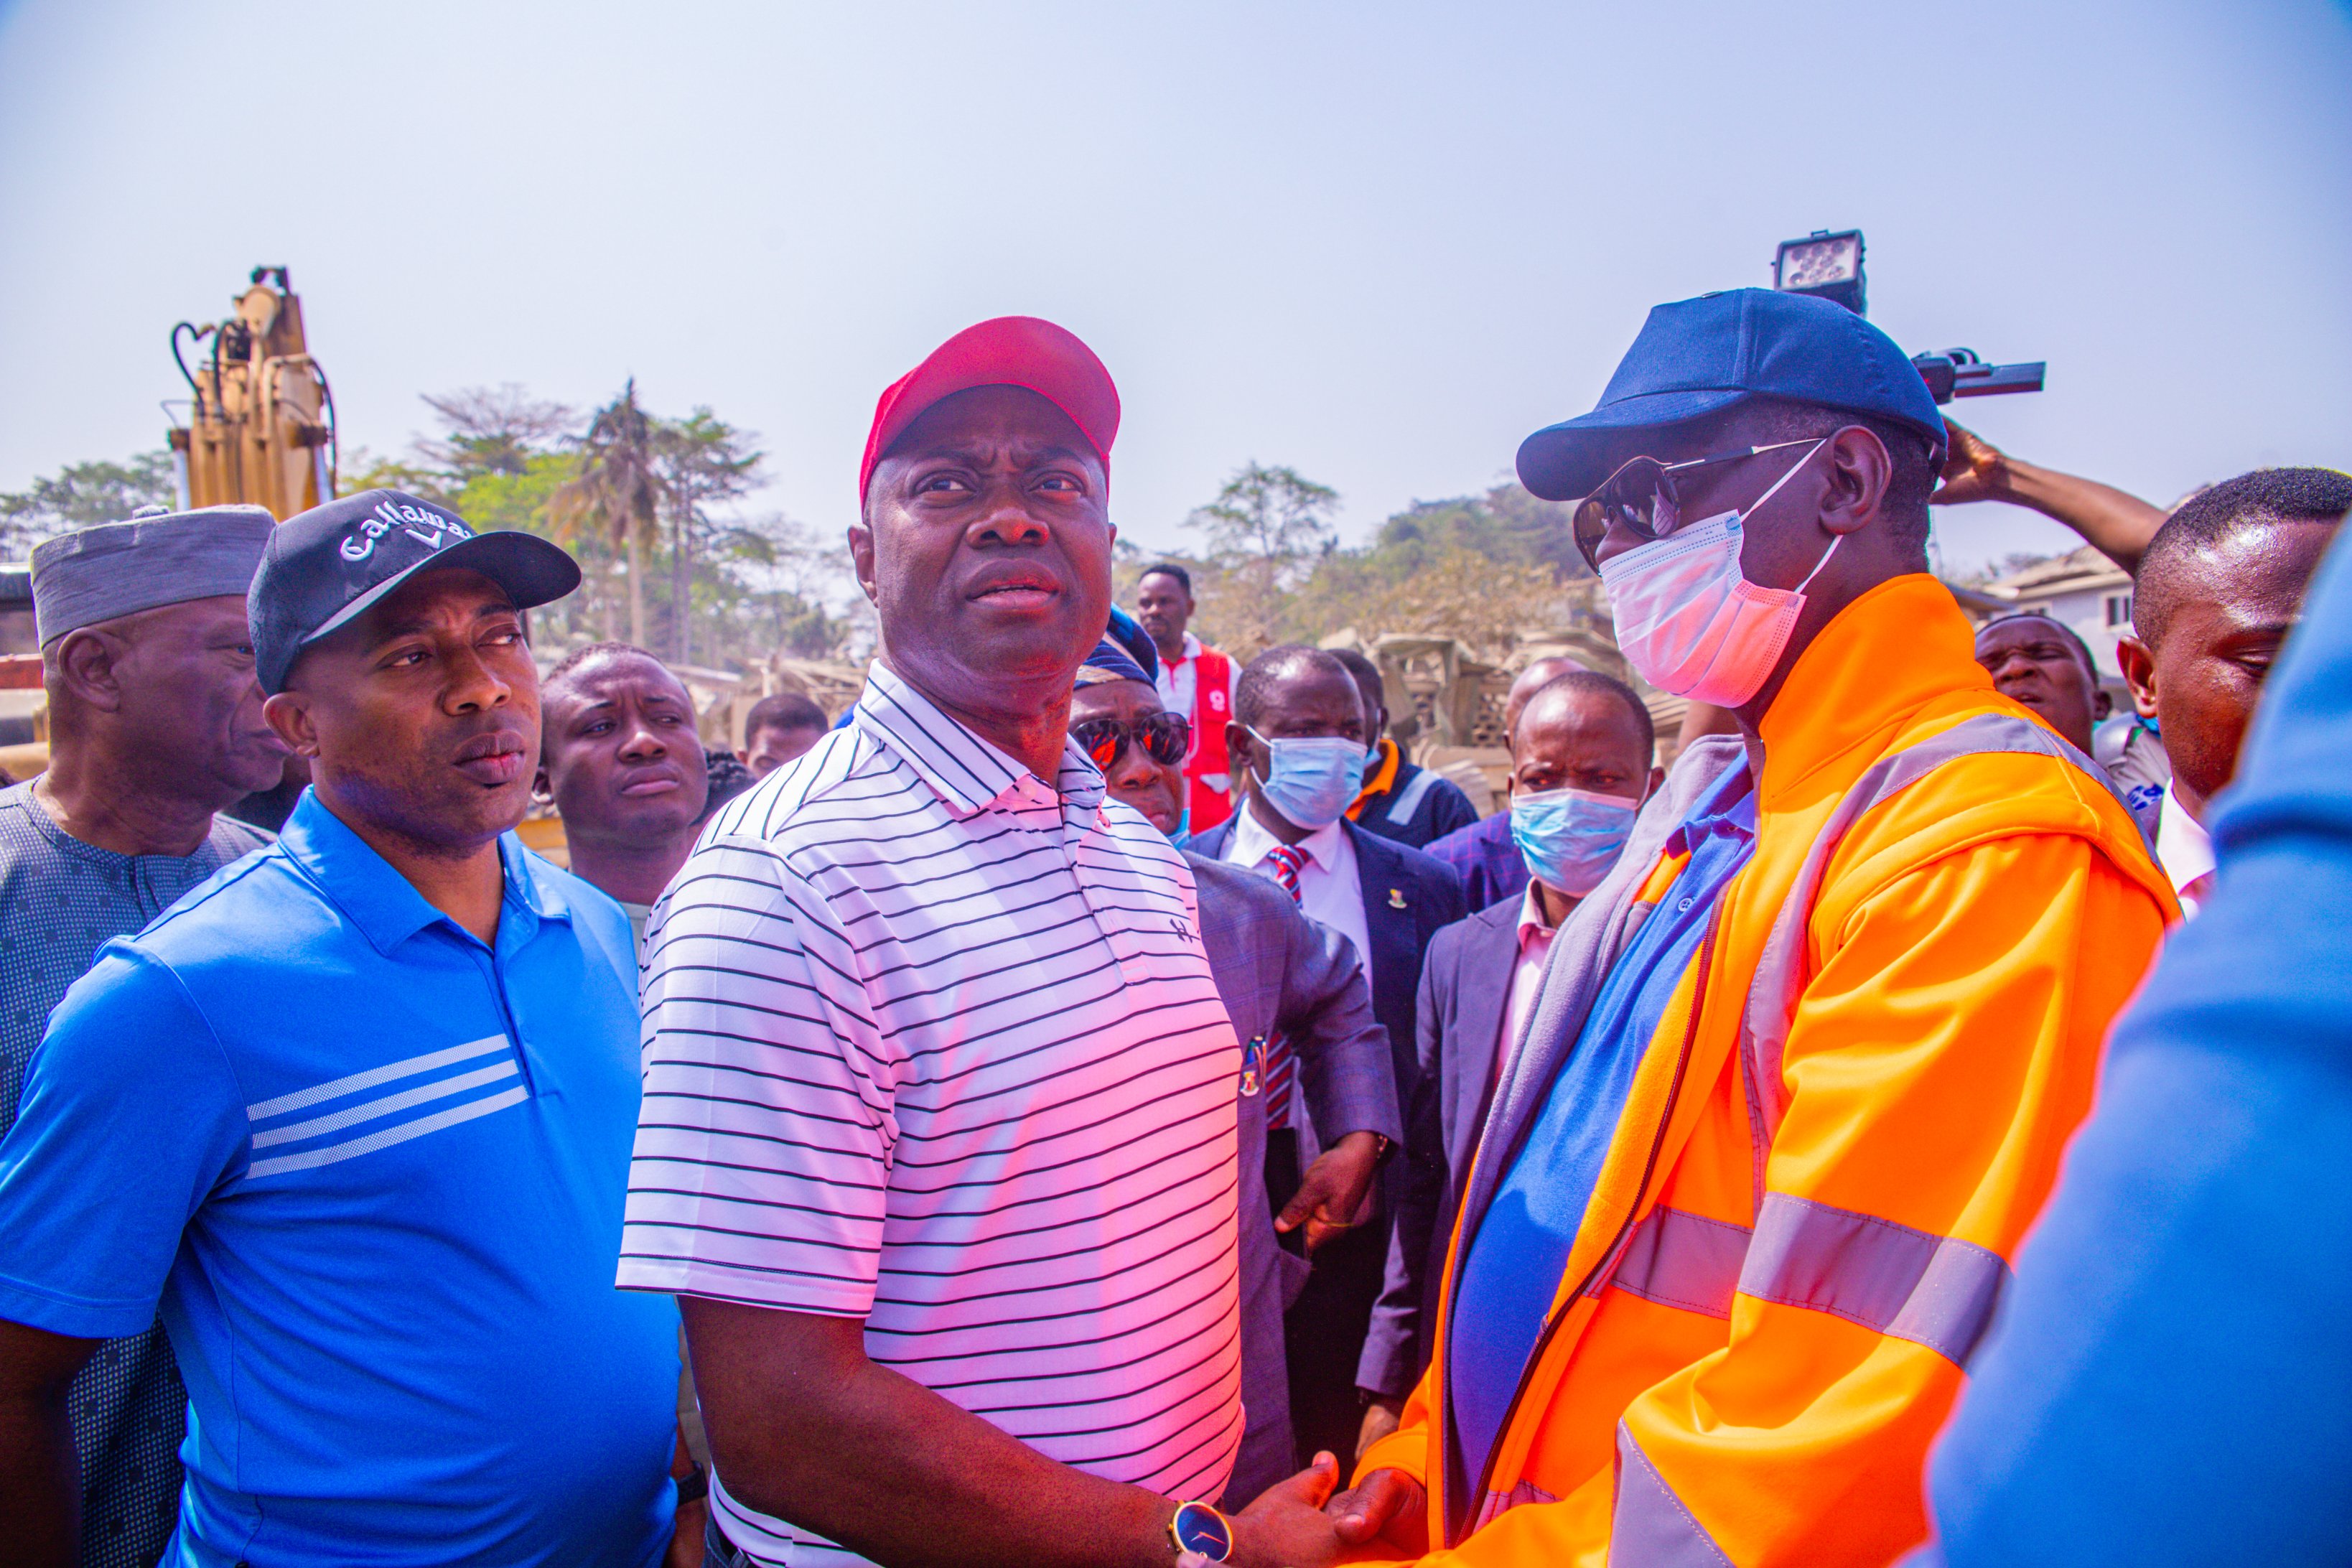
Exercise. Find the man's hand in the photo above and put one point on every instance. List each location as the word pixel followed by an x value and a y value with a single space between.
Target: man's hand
pixel 1333 1190
pixel 1389 1510
pixel 1974 469
pixel 1381 1418
pixel 2116 522
pixel 1286 1526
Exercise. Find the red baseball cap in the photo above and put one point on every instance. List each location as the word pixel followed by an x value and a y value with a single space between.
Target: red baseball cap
pixel 1011 350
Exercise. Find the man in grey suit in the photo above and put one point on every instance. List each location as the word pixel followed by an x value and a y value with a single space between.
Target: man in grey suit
pixel 1581 768
pixel 1280 975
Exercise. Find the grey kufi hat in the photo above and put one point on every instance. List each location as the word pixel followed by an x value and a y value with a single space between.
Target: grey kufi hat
pixel 157 558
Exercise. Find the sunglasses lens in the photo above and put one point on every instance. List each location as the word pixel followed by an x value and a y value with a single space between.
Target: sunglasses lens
pixel 1629 498
pixel 1099 739
pixel 1166 738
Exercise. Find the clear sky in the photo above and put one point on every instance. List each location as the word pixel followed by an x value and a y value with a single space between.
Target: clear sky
pixel 1380 243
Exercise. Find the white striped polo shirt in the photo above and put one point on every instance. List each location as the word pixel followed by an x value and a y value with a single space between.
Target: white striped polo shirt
pixel 928 1042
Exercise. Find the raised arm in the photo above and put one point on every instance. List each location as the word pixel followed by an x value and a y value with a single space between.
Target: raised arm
pixel 2117 523
pixel 39 1473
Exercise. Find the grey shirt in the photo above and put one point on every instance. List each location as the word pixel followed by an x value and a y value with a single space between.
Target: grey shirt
pixel 60 901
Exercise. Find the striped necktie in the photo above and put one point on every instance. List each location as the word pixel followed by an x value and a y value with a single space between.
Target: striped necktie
pixel 1281 1065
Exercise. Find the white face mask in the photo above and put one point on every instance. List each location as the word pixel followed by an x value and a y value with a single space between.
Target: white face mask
pixel 1690 620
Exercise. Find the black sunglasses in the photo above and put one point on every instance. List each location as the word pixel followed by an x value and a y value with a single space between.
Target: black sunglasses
pixel 1645 495
pixel 1164 737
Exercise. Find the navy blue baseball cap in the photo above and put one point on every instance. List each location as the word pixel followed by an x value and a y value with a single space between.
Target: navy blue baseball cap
pixel 323 568
pixel 1697 357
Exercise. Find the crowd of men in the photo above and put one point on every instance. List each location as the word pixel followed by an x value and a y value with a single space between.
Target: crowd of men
pixel 1099 1101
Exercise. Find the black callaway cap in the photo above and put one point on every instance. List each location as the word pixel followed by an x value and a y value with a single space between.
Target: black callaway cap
pixel 323 568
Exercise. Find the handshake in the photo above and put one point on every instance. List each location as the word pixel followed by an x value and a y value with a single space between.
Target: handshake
pixel 1305 1523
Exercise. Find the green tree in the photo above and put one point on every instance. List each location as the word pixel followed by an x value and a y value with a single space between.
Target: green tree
pixel 83 494
pixel 617 492
pixel 492 430
pixel 1265 529
pixel 699 460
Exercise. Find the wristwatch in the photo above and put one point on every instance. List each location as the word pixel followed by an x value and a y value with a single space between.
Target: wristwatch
pixel 1202 1531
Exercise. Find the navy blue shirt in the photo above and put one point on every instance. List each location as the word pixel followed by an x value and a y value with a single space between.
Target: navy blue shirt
pixel 372 1171
pixel 1514 1263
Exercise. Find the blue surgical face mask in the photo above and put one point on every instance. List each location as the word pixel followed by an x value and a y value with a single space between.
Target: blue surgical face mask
pixel 1314 780
pixel 1571 837
pixel 1181 833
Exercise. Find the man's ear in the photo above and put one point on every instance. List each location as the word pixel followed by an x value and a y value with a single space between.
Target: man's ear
pixel 1859 472
pixel 2139 666
pixel 290 716
pixel 541 786
pixel 2102 704
pixel 86 662
pixel 861 560
pixel 1658 777
pixel 1237 746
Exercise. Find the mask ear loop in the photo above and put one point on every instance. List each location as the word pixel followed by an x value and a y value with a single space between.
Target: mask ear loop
pixel 1835 539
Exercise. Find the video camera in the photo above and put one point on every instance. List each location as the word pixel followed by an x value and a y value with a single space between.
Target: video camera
pixel 1830 265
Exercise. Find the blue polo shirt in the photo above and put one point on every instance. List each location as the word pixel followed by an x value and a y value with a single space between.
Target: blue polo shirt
pixel 373 1172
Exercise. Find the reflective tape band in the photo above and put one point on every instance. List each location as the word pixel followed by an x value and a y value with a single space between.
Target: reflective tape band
pixel 1651 1527
pixel 1934 1290
pixel 1684 1260
pixel 1401 809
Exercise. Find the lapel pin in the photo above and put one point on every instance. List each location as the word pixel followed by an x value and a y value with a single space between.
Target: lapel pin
pixel 1396 897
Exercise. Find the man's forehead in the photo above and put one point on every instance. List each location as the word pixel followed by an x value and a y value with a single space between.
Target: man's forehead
pixel 986 420
pixel 1115 697
pixel 603 679
pixel 2022 630
pixel 450 593
pixel 1308 685
pixel 2263 557
pixel 1568 712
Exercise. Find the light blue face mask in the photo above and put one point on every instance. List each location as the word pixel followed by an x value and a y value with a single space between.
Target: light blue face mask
pixel 1571 837
pixel 1181 833
pixel 1314 780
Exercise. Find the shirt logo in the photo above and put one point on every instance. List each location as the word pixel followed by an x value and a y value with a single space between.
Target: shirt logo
pixel 430 528
pixel 1217 700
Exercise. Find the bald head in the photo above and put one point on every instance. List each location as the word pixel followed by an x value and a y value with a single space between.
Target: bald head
pixel 1533 678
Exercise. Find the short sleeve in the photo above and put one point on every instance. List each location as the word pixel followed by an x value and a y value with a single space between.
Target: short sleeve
pixel 765 1131
pixel 130 1119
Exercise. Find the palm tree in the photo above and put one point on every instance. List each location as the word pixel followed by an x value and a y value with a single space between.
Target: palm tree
pixel 617 489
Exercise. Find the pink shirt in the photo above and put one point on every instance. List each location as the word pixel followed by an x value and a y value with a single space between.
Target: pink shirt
pixel 1527 977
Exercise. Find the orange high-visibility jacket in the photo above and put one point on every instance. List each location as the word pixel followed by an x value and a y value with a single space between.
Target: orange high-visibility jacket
pixel 1849 1116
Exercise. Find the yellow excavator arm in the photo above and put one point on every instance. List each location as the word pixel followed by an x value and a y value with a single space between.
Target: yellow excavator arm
pixel 261 426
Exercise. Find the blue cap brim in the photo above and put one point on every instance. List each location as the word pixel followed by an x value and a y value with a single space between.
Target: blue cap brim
pixel 1567 461
pixel 532 571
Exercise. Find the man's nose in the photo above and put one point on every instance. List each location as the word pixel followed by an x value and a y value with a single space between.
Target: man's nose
pixel 1133 770
pixel 1614 541
pixel 642 745
pixel 1009 521
pixel 473 684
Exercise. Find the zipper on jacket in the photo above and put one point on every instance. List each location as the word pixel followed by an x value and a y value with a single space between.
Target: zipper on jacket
pixel 1480 1487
